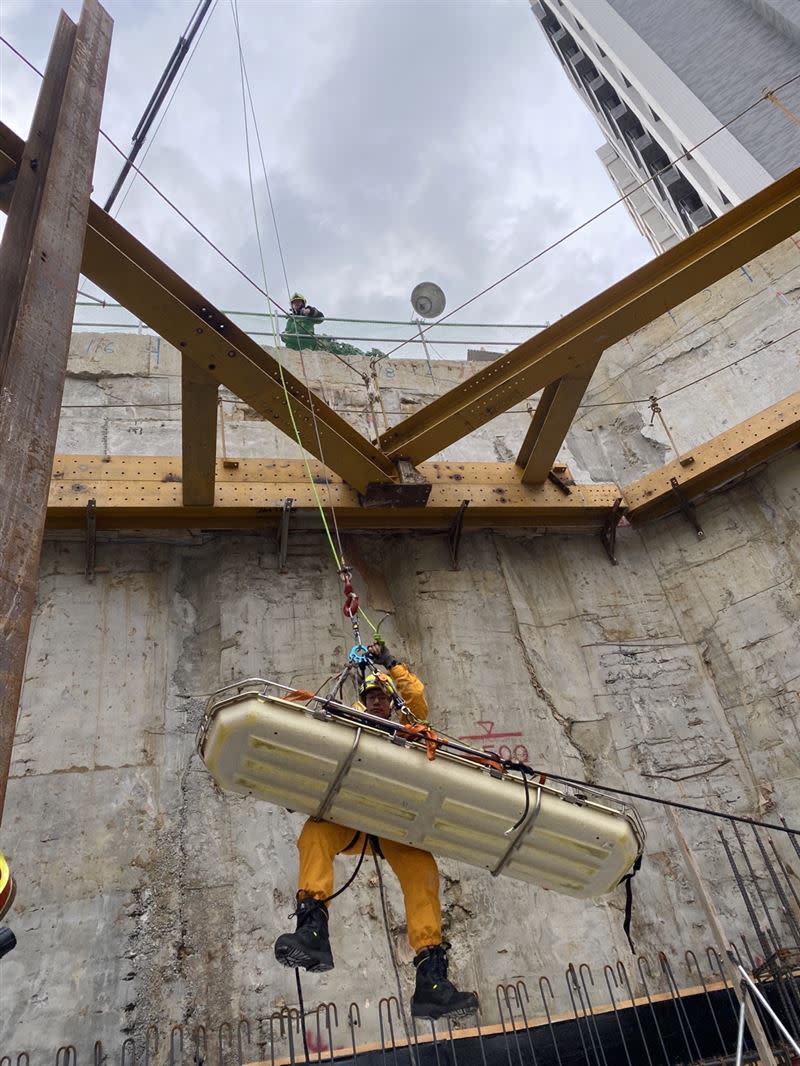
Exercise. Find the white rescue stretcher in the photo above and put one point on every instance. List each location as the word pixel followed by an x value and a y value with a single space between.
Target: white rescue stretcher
pixel 341 765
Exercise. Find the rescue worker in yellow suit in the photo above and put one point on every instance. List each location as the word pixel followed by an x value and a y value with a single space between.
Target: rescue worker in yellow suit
pixel 319 842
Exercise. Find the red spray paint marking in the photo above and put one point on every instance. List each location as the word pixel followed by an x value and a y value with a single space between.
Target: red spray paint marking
pixel 519 753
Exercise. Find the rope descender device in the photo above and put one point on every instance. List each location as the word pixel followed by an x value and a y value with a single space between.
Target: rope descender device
pixel 359 655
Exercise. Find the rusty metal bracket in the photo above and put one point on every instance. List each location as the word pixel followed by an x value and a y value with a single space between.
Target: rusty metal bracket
pixel 608 534
pixel 91 539
pixel 412 490
pixel 687 507
pixel 559 482
pixel 283 534
pixel 454 534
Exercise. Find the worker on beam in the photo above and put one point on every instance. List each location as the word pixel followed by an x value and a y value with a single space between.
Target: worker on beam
pixel 299 331
pixel 319 842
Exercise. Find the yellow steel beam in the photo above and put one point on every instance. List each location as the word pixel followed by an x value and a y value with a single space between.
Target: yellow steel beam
pixel 138 491
pixel 734 452
pixel 199 395
pixel 551 420
pixel 568 347
pixel 141 282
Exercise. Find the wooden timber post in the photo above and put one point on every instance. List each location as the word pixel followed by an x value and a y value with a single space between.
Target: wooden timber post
pixel 40 260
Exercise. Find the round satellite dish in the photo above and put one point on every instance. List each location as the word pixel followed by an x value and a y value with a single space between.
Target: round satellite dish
pixel 427 299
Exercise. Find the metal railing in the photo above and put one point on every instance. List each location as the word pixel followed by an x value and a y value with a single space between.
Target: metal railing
pixel 111 316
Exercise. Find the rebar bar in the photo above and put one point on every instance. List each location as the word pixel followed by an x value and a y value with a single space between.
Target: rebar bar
pixel 642 964
pixel 239 1048
pixel 572 982
pixel 623 973
pixel 609 973
pixel 690 955
pixel 782 897
pixel 179 1030
pixel 498 989
pixel 542 982
pixel 680 1010
pixel 354 1022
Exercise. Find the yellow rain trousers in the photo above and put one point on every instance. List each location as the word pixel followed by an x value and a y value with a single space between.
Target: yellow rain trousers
pixel 416 870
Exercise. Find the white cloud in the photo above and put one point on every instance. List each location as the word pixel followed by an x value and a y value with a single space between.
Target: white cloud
pixel 404 140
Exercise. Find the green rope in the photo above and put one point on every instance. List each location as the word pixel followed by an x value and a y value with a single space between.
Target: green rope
pixel 270 310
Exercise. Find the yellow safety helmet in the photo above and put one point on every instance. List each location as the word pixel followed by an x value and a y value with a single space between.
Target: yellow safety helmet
pixel 379 681
pixel 7 887
pixel 297 296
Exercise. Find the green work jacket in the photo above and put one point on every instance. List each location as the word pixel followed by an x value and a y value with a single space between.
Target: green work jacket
pixel 299 331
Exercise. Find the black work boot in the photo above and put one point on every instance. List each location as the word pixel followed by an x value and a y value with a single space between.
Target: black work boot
pixel 308 946
pixel 435 996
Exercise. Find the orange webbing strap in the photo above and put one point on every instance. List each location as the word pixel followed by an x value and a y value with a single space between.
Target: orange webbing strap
pixel 299 694
pixel 484 760
pixel 421 731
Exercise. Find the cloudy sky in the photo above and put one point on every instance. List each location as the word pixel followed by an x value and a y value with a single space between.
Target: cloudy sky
pixel 405 140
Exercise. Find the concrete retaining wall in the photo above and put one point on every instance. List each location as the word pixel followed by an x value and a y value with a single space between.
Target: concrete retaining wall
pixel 146 894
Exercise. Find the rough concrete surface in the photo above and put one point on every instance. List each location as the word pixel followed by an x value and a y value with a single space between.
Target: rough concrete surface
pixel 146 894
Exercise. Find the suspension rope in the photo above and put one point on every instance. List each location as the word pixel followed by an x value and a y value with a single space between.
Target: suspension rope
pixel 445 741
pixel 351 606
pixel 393 956
pixel 302 1007
pixel 273 320
pixel 691 807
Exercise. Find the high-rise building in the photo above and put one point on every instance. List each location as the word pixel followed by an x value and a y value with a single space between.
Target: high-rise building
pixel 662 76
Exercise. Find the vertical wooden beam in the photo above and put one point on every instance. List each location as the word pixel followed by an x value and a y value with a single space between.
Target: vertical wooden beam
pixel 41 257
pixel 550 424
pixel 29 184
pixel 199 393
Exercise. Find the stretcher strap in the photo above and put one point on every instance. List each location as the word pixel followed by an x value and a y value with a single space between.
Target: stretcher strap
pixel 421 731
pixel 626 880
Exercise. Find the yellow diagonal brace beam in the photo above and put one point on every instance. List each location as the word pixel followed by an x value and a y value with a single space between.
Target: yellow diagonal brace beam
pixel 145 491
pixel 568 346
pixel 124 268
pixel 734 452
pixel 551 420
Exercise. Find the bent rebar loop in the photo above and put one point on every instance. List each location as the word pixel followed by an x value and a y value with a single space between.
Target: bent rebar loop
pixel 240 1050
pixel 179 1030
pixel 354 1022
pixel 199 1035
pixel 224 1026
pixel 152 1030
pixel 66 1055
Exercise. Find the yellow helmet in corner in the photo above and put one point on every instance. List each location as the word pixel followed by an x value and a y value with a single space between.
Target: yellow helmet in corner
pixel 297 296
pixel 7 887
